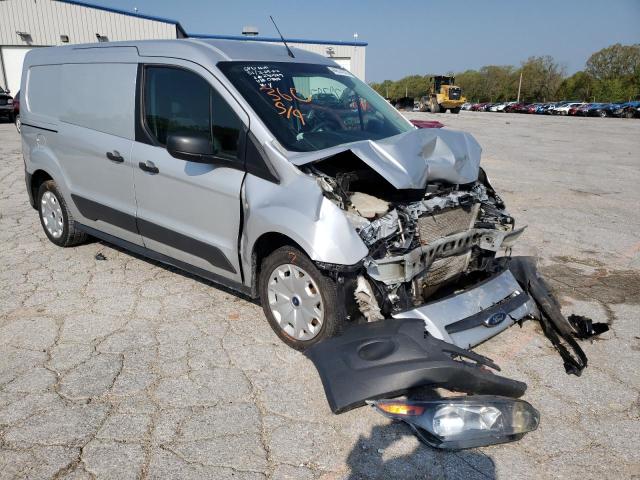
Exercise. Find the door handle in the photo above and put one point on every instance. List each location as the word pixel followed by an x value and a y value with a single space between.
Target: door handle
pixel 115 156
pixel 149 166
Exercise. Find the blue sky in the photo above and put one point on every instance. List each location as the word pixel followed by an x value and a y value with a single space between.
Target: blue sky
pixel 423 36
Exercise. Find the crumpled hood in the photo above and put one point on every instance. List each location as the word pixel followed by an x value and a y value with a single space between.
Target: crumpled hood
pixel 410 159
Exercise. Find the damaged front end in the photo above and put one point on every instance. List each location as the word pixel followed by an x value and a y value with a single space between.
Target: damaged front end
pixel 438 279
pixel 426 241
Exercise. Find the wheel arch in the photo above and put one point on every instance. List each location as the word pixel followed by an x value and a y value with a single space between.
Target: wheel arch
pixel 37 178
pixel 266 244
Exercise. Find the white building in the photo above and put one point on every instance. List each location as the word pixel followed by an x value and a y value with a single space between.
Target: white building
pixel 27 24
pixel 349 55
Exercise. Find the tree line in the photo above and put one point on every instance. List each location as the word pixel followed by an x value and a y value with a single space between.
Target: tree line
pixel 610 75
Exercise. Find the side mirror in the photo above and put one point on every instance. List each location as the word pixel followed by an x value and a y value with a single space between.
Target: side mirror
pixel 191 148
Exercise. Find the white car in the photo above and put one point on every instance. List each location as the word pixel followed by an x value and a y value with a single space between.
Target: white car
pixel 564 108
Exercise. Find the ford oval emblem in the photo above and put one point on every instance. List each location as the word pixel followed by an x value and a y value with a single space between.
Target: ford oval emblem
pixel 495 319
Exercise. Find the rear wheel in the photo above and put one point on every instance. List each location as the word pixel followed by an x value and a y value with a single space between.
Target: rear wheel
pixel 435 108
pixel 602 113
pixel 56 219
pixel 455 110
pixel 301 303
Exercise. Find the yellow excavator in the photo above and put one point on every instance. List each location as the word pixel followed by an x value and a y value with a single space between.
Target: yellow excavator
pixel 443 95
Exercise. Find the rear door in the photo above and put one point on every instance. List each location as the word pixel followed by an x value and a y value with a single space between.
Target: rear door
pixel 189 211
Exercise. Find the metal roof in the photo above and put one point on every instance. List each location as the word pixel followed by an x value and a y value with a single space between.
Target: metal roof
pixel 248 38
pixel 126 12
pixel 213 36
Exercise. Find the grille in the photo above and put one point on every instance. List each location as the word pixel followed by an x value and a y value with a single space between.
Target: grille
pixel 432 227
pixel 454 94
pixel 3 101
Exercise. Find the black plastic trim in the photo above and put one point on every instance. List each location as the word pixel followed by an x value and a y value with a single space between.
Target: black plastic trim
pixel 389 358
pixel 27 179
pixel 208 252
pixel 153 255
pixel 97 211
pixel 39 128
pixel 256 160
pixel 479 318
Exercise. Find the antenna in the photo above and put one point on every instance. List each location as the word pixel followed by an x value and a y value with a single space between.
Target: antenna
pixel 282 38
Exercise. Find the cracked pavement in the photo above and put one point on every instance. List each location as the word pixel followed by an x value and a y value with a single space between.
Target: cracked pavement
pixel 124 368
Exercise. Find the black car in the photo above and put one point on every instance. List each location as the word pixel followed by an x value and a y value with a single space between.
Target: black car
pixel 6 105
pixel 603 110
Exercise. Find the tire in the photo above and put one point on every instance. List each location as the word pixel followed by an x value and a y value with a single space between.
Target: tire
pixel 603 114
pixel 455 110
pixel 435 108
pixel 56 219
pixel 628 114
pixel 271 280
pixel 18 123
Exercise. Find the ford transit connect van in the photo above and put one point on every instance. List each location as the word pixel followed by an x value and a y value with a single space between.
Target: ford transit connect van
pixel 284 178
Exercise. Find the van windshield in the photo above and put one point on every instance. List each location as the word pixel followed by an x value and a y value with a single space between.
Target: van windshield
pixel 310 107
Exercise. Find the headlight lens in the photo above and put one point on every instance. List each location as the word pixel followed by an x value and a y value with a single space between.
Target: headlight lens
pixel 9 101
pixel 464 422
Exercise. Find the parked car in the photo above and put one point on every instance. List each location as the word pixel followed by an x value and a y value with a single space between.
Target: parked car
pixel 532 108
pixel 582 110
pixel 628 110
pixel 522 108
pixel 564 108
pixel 265 236
pixel 503 106
pixel 603 110
pixel 497 107
pixel 478 107
pixel 16 111
pixel 542 108
pixel 466 106
pixel 6 105
pixel 573 110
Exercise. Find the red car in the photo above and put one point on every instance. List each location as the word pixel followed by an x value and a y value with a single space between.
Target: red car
pixel 575 110
pixel 517 108
pixel 16 111
pixel 478 107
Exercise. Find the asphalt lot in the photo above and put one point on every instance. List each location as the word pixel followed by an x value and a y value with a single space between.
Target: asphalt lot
pixel 122 368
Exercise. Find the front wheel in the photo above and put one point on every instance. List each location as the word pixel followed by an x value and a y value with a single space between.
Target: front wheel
pixel 435 107
pixel 301 303
pixel 18 122
pixel 455 110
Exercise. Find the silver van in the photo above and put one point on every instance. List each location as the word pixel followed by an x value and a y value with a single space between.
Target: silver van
pixel 279 175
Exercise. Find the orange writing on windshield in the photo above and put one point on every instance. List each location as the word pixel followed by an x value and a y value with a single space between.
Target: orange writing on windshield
pixel 283 102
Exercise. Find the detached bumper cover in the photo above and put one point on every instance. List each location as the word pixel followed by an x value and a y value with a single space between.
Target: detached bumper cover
pixel 473 316
pixel 386 359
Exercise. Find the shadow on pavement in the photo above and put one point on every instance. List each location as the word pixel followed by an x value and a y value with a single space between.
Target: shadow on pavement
pixel 369 458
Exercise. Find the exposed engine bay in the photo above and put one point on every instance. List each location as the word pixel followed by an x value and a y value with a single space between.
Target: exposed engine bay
pixel 420 241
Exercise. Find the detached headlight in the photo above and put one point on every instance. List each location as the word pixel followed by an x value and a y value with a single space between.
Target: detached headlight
pixel 464 422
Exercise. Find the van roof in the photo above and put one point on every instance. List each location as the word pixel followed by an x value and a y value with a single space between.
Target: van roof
pixel 206 52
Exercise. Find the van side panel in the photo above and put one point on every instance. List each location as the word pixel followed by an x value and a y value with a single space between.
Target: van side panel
pixel 99 97
pixel 42 99
pixel 89 111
